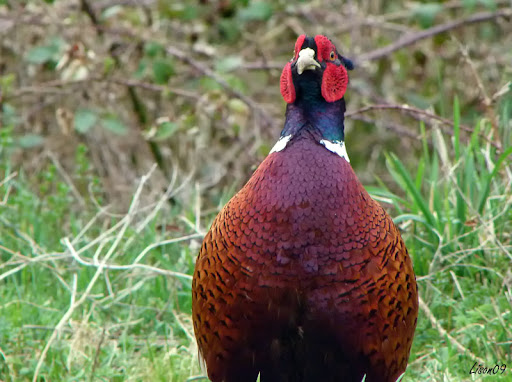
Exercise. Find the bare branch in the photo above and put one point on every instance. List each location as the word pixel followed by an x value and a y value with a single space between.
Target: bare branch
pixel 421 112
pixel 182 56
pixel 410 39
pixel 395 128
pixel 48 87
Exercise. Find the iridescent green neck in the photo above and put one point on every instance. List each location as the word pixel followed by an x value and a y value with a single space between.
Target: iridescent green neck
pixel 325 117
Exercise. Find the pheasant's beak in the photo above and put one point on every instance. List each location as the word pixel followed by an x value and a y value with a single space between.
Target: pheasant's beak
pixel 306 60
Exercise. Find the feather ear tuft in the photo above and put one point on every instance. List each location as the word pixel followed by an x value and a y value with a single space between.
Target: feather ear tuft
pixel 348 64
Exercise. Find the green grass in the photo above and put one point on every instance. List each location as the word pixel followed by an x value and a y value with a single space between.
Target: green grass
pixel 455 210
pixel 90 290
pixel 88 294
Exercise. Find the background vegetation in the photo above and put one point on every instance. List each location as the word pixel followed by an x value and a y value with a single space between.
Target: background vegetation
pixel 127 124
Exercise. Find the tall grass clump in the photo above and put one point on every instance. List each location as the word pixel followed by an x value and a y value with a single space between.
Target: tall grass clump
pixel 88 294
pixel 455 209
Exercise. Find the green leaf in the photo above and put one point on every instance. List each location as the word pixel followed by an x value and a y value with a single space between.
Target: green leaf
pixel 460 203
pixel 209 84
pixel 141 68
pixel 111 12
pixel 256 11
pixel 456 128
pixel 109 65
pixel 29 141
pixel 411 189
pixel 162 70
pixel 45 53
pixel 229 63
pixel 490 177
pixel 436 195
pixel 489 4
pixel 236 82
pixel 165 131
pixel 114 124
pixel 407 217
pixel 469 4
pixel 178 10
pixel 40 54
pixel 84 120
pixel 420 173
pixel 230 29
pixel 470 186
pixel 9 115
pixel 7 82
pixel 426 13
pixel 153 49
pixel 190 12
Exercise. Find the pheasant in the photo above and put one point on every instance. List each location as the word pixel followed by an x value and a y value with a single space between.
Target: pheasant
pixel 302 276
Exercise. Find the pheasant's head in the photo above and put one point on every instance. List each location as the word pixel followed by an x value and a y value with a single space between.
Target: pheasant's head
pixel 316 70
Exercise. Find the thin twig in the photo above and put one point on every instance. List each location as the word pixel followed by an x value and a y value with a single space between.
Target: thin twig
pixel 262 66
pixel 97 355
pixel 46 87
pixel 486 99
pixel 6 181
pixel 406 108
pixel 435 323
pixel 187 332
pixel 58 328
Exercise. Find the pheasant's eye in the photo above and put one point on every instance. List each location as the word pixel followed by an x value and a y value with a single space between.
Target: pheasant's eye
pixel 332 57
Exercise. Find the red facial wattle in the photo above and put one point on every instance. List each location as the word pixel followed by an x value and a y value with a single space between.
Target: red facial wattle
pixel 334 77
pixel 286 83
pixel 334 82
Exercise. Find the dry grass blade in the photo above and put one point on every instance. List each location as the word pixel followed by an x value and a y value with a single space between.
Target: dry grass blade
pixel 101 266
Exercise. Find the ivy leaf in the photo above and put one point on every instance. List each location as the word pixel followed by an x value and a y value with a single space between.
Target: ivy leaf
pixel 228 63
pixel 489 4
pixel 29 141
pixel 426 13
pixel 153 49
pixel 162 71
pixel 165 131
pixel 8 115
pixel 40 54
pixel 45 53
pixel 114 124
pixel 84 120
pixel 469 4
pixel 256 11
